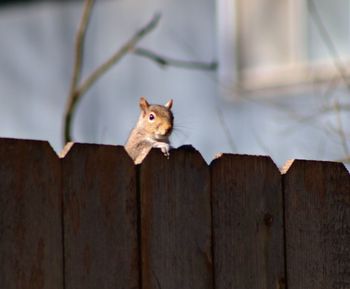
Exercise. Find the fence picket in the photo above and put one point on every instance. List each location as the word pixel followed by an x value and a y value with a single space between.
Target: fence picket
pixel 100 214
pixel 93 219
pixel 30 216
pixel 175 221
pixel 247 223
pixel 317 204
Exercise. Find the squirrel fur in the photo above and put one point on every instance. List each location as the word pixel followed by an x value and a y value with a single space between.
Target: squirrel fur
pixel 152 130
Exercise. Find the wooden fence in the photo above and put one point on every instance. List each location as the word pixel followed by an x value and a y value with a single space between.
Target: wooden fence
pixel 93 220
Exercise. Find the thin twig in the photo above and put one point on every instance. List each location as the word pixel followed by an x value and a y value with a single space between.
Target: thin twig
pixel 323 111
pixel 226 129
pixel 76 91
pixel 79 45
pixel 341 69
pixel 127 47
pixel 167 61
pixel 341 131
pixel 79 53
pixel 329 42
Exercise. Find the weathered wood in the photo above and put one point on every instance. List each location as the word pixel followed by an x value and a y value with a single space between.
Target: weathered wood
pixel 175 221
pixel 100 215
pixel 247 223
pixel 30 216
pixel 317 210
pixel 76 223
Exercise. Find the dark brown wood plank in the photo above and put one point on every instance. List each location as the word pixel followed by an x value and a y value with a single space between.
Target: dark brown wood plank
pixel 30 216
pixel 100 213
pixel 317 202
pixel 247 223
pixel 175 221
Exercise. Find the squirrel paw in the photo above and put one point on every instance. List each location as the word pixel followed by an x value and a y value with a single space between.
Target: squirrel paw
pixel 164 147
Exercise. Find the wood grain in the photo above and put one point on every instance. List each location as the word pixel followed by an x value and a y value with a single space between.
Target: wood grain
pixel 100 214
pixel 30 216
pixel 175 221
pixel 317 202
pixel 247 223
pixel 95 220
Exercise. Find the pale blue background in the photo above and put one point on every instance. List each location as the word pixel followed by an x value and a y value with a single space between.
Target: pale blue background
pixel 36 53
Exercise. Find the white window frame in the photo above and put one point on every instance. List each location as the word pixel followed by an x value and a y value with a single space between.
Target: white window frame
pixel 299 74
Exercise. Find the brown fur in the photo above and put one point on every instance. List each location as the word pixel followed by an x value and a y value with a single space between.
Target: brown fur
pixel 147 133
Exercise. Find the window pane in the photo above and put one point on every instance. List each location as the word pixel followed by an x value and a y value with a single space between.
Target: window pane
pixel 264 33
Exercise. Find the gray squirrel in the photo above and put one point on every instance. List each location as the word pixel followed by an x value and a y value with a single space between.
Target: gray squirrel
pixel 152 130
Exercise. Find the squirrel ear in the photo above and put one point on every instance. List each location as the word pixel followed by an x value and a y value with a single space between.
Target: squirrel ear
pixel 169 104
pixel 143 104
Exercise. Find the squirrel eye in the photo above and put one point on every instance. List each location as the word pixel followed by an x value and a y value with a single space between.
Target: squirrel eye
pixel 151 117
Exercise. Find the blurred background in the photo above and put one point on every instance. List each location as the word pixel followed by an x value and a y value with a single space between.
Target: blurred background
pixel 281 88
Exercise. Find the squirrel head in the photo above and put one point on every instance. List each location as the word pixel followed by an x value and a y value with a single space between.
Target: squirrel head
pixel 156 120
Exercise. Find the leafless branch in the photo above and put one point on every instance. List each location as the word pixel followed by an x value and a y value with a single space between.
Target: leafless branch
pixel 322 111
pixel 76 92
pixel 127 47
pixel 337 108
pixel 226 129
pixel 167 61
pixel 316 17
pixel 78 88
pixel 79 49
pixel 341 130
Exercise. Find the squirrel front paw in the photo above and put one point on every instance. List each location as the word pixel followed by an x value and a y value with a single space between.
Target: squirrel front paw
pixel 164 147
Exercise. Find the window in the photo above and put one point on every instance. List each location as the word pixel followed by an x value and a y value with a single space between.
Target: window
pixel 268 44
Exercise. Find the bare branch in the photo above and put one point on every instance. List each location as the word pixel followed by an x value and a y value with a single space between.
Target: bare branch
pixel 79 53
pixel 77 92
pixel 167 61
pixel 322 111
pixel 342 71
pixel 328 41
pixel 226 129
pixel 126 48
pixel 341 130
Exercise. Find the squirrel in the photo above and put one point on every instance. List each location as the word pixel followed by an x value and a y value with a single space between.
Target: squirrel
pixel 152 130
